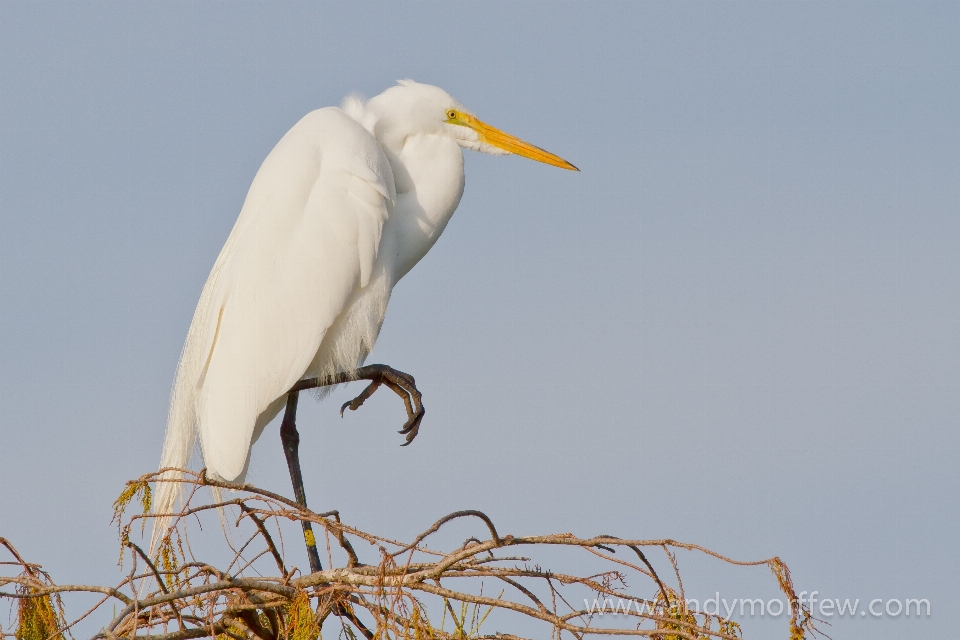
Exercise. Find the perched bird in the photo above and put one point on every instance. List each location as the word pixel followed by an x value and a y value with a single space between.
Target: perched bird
pixel 344 206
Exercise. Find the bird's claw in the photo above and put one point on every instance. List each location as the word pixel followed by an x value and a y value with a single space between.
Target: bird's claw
pixel 412 427
pixel 357 402
pixel 350 404
pixel 400 383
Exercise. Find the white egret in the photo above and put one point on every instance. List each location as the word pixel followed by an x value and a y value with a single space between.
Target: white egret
pixel 344 206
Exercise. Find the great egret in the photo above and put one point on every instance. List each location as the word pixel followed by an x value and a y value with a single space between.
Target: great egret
pixel 344 206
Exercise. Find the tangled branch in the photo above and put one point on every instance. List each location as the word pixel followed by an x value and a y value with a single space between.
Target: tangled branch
pixel 398 594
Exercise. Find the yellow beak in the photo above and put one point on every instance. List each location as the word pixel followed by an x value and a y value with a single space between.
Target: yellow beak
pixel 501 140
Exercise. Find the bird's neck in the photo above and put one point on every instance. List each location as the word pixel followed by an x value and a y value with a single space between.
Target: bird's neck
pixel 428 172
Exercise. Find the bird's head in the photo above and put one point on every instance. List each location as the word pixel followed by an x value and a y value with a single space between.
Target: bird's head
pixel 411 108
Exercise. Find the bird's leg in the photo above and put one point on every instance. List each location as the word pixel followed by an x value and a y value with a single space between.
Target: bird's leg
pixel 399 382
pixel 291 445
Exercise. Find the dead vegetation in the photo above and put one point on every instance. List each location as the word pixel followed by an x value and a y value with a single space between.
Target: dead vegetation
pixel 397 591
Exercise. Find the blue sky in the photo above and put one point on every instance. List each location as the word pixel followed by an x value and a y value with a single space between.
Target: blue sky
pixel 738 326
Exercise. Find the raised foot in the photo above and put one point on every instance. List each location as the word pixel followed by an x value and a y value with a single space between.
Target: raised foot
pixel 399 382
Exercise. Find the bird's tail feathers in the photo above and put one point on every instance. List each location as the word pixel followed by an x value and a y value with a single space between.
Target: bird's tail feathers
pixel 182 422
pixel 178 447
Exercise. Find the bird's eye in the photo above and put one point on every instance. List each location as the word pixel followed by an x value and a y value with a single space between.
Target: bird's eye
pixel 452 115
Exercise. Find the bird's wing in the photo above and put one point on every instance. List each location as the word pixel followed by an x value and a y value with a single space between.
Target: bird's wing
pixel 305 242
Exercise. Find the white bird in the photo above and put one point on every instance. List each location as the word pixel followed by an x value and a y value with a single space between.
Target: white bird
pixel 344 206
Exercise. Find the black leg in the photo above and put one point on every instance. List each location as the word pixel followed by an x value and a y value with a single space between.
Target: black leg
pixel 291 445
pixel 399 382
pixel 290 438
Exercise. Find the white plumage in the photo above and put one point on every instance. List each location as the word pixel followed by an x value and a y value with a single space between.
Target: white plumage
pixel 347 203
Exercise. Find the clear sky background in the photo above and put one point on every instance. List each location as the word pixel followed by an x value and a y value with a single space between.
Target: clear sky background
pixel 739 325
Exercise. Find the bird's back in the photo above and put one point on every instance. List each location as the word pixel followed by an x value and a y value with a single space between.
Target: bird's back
pixel 302 251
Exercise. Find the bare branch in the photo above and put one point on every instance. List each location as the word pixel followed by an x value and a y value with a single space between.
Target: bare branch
pixel 382 599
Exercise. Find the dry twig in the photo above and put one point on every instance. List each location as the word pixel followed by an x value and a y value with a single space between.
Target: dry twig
pixel 179 596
